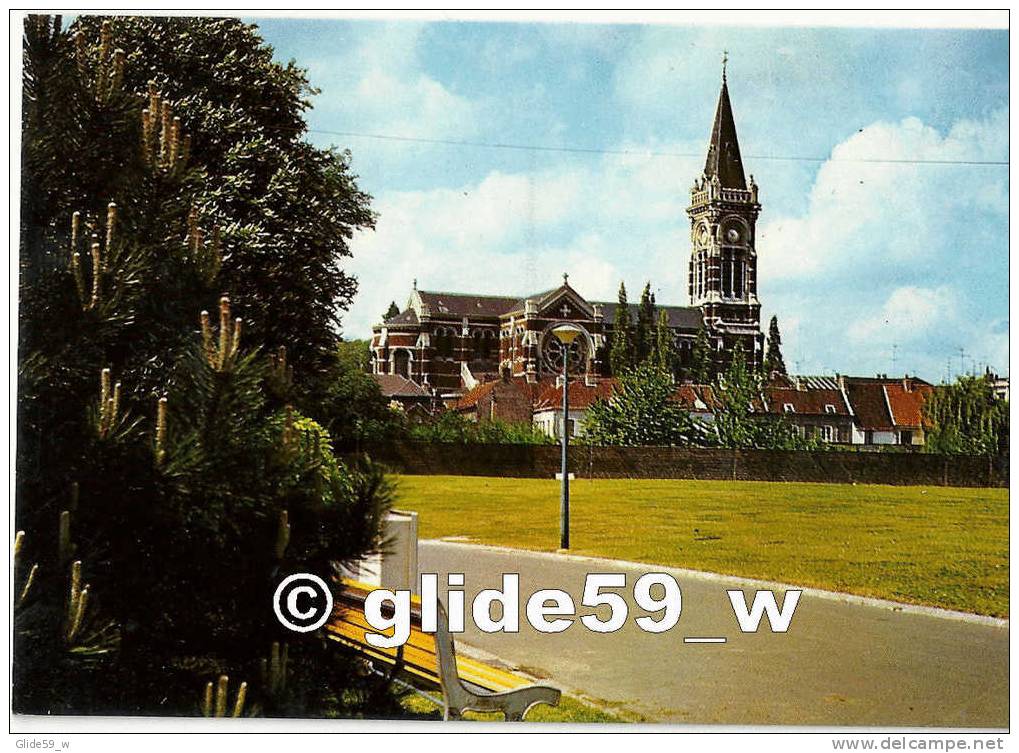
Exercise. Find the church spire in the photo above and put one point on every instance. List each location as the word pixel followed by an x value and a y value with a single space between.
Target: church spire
pixel 723 151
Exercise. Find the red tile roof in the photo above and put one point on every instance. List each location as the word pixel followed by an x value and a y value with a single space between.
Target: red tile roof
pixel 470 398
pixel 882 404
pixel 580 396
pixel 869 405
pixel 807 401
pixel 906 402
pixel 696 398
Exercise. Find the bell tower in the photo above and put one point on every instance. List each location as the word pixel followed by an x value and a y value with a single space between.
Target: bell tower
pixel 723 260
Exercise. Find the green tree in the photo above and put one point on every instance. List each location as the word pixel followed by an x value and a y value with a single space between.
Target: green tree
pixel 156 442
pixel 641 411
pixel 354 409
pixel 739 419
pixel 286 209
pixel 966 418
pixel 702 369
pixel 453 428
pixel 621 353
pixel 645 330
pixel 773 361
pixel 663 352
pixel 392 311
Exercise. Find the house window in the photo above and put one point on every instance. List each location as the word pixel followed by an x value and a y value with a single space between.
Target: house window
pixel 788 408
pixel 829 408
pixel 829 434
pixel 906 437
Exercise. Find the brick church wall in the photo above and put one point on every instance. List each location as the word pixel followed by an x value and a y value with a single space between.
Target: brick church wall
pixel 542 461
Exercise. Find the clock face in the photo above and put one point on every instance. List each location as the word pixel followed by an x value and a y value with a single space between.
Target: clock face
pixel 703 235
pixel 732 235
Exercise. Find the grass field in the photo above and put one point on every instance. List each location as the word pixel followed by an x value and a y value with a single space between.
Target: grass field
pixel 570 710
pixel 939 546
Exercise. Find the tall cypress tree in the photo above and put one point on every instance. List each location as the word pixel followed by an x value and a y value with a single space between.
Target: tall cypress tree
pixel 663 353
pixel 644 337
pixel 621 352
pixel 773 361
pixel 702 369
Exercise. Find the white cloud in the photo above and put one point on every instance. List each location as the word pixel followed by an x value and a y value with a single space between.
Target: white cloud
pixel 381 83
pixel 898 212
pixel 896 253
pixel 909 313
pixel 619 217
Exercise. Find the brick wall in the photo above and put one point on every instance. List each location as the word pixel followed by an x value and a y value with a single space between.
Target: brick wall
pixel 542 461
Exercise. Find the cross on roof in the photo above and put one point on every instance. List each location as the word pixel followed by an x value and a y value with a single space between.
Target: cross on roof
pixel 725 61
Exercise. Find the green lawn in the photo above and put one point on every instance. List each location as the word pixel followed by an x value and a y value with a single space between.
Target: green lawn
pixel 569 710
pixel 940 546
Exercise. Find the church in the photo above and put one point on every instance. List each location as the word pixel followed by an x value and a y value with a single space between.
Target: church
pixel 450 341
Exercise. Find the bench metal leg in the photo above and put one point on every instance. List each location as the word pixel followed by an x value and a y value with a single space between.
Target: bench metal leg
pixel 514 704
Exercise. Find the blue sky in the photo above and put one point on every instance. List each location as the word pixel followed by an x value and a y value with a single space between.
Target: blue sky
pixel 860 248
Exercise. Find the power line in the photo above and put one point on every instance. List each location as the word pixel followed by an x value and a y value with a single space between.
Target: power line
pixel 645 153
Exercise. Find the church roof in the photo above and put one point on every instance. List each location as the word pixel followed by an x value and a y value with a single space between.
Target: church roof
pixel 408 316
pixel 481 306
pixel 723 151
pixel 466 304
pixel 682 317
pixel 394 385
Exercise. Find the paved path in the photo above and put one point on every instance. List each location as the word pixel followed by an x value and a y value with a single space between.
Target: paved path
pixel 841 663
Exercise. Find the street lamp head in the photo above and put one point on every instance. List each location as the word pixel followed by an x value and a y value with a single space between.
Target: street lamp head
pixel 566 333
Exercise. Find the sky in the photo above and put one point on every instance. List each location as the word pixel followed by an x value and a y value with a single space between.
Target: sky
pixel 577 145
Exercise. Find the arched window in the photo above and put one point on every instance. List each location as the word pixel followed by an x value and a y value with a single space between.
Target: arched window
pixel 483 344
pixel 444 342
pixel 401 363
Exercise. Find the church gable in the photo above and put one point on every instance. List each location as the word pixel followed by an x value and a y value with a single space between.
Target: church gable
pixel 564 303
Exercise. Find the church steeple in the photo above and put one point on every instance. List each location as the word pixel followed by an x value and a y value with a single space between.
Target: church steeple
pixel 723 151
pixel 723 232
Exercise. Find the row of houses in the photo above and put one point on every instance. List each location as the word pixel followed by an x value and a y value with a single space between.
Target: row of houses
pixel 864 411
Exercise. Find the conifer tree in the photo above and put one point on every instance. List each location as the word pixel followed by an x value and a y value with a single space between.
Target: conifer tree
pixel 621 353
pixel 773 361
pixel 645 330
pixel 701 361
pixel 155 438
pixel 392 311
pixel 663 354
pixel 286 209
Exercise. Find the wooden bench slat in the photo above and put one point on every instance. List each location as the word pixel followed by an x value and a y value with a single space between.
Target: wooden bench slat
pixel 419 652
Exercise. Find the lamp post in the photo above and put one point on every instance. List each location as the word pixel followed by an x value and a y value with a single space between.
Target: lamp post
pixel 565 334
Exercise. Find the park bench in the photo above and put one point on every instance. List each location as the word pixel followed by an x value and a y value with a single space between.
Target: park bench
pixel 430 660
